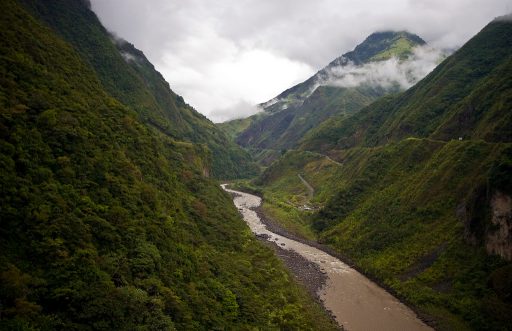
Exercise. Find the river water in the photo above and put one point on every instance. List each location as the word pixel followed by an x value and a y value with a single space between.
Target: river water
pixel 356 302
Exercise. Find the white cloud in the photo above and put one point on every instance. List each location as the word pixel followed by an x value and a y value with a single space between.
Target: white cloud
pixel 241 109
pixel 237 76
pixel 219 53
pixel 386 73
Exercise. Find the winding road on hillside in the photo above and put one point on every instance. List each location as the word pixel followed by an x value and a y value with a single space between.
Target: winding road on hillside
pixel 331 160
pixel 311 190
pixel 356 302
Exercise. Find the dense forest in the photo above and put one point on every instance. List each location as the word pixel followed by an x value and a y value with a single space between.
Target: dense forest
pixel 109 217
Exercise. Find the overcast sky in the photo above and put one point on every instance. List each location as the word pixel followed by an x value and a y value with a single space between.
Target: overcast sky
pixel 225 56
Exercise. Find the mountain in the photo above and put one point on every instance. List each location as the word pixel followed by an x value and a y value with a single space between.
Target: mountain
pixel 466 96
pixel 379 46
pixel 416 188
pixel 127 75
pixel 344 86
pixel 108 218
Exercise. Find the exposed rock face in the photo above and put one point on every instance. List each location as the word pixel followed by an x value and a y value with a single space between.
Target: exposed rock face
pixel 462 214
pixel 499 236
pixel 474 214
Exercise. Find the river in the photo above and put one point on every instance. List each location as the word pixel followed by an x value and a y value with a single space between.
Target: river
pixel 356 302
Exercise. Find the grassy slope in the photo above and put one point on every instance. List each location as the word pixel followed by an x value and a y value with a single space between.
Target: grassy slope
pixel 384 45
pixel 393 208
pixel 286 195
pixel 108 224
pixel 468 96
pixel 139 86
pixel 233 127
pixel 414 212
pixel 300 109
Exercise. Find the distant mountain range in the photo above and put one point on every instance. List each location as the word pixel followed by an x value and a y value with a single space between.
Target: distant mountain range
pixel 384 63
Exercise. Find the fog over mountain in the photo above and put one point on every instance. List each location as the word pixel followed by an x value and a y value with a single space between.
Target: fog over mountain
pixel 386 73
pixel 226 53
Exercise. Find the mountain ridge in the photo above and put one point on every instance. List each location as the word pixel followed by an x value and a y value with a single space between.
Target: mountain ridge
pixel 139 86
pixel 303 107
pixel 107 223
pixel 416 188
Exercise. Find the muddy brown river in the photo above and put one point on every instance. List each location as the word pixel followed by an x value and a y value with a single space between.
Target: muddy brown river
pixel 356 302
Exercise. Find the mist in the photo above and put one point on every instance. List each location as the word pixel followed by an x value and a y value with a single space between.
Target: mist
pixel 219 54
pixel 388 73
pixel 241 109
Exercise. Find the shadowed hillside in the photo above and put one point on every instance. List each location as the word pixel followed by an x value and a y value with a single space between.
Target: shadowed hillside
pixel 108 220
pixel 127 75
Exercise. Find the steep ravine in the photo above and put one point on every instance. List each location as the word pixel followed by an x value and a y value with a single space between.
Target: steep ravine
pixel 355 301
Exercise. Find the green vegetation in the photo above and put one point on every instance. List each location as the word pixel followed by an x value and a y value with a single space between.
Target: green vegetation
pixel 467 96
pixel 385 45
pixel 287 200
pixel 107 223
pixel 393 210
pixel 234 127
pixel 400 195
pixel 304 107
pixel 128 76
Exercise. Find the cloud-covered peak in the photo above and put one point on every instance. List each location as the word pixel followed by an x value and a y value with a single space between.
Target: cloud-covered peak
pixel 392 60
pixel 220 53
pixel 388 73
pixel 385 45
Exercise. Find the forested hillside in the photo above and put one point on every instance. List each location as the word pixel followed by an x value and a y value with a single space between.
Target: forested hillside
pixel 289 116
pixel 467 96
pixel 108 220
pixel 127 75
pixel 416 189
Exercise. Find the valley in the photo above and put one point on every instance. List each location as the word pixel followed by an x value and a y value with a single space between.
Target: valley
pixel 374 195
pixel 355 302
pixel 407 188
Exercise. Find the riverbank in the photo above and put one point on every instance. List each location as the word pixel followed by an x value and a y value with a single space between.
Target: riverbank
pixel 273 226
pixel 309 274
pixel 305 272
pixel 356 302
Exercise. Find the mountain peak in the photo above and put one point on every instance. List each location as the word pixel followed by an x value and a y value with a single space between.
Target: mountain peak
pixel 379 46
pixel 384 45
pixel 504 18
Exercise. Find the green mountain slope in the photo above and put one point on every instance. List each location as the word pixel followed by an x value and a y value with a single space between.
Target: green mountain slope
pixel 233 127
pixel 419 216
pixel 283 129
pixel 398 194
pixel 107 223
pixel 303 107
pixel 467 96
pixel 382 46
pixel 127 75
